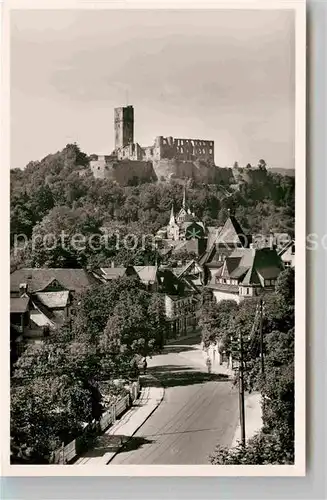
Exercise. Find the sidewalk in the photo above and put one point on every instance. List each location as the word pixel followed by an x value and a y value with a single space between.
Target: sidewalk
pixel 111 441
pixel 253 418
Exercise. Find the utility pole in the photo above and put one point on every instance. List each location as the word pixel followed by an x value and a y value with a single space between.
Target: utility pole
pixel 241 391
pixel 261 338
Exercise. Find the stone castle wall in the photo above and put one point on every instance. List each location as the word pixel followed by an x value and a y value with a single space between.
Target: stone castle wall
pixel 124 172
pixel 128 171
pixel 200 171
pixel 169 148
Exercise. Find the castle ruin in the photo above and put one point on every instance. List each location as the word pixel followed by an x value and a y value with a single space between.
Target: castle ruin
pixel 167 155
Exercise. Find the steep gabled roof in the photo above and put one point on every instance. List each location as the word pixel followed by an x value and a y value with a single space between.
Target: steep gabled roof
pixel 207 256
pixel 269 273
pixel 239 272
pixel 254 263
pixel 190 285
pixel 41 308
pixel 169 283
pixel 113 273
pixel 231 263
pixel 251 277
pixel 190 246
pixel 53 300
pixel 187 267
pixel 19 305
pixel 213 234
pixel 38 279
pixel 147 274
pixel 231 233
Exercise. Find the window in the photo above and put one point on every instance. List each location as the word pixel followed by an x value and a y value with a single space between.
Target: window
pixel 248 291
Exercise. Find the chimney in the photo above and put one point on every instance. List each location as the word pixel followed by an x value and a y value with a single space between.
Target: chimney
pixel 112 263
pixel 22 288
pixel 252 247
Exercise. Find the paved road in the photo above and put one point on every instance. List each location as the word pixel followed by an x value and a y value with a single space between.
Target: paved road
pixel 198 412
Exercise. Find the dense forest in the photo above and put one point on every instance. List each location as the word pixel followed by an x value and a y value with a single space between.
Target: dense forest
pixel 60 193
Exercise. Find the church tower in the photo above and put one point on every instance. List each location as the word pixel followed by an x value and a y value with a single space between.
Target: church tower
pixel 124 126
pixel 172 216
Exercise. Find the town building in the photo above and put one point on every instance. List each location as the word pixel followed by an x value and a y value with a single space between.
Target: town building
pixel 42 300
pixel 182 303
pixel 180 291
pixel 149 276
pixel 184 234
pixel 192 270
pixel 287 254
pixel 246 272
pixel 221 242
pixel 108 274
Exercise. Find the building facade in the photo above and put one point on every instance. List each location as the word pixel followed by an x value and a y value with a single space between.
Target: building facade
pixel 246 273
pixel 41 301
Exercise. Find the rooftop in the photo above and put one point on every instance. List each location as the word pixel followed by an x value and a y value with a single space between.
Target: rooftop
pixel 37 279
pixel 18 305
pixel 147 274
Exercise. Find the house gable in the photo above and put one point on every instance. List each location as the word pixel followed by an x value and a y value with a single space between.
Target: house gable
pixel 53 286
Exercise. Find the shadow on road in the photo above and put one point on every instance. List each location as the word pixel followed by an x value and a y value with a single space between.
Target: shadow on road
pixel 133 443
pixel 186 341
pixel 176 376
pixel 115 443
pixel 175 349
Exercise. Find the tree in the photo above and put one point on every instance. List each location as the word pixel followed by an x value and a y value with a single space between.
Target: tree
pixel 95 305
pixel 136 327
pixel 274 444
pixel 61 239
pixel 262 165
pixel 215 320
pixel 262 449
pixel 49 402
pixel 285 285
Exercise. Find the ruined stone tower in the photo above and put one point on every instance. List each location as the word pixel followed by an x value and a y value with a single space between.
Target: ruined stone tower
pixel 124 126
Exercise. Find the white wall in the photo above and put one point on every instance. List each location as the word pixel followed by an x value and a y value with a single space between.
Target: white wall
pixel 219 296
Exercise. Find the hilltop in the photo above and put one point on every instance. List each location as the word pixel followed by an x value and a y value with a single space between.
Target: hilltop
pixel 261 200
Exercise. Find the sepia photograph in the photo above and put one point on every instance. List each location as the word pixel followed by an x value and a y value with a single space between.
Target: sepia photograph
pixel 155 242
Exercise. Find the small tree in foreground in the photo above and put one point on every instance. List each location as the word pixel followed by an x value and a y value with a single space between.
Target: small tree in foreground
pixel 262 449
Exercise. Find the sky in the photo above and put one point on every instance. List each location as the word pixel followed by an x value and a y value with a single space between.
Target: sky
pixel 222 75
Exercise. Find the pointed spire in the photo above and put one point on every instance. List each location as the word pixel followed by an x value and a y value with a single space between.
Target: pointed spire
pixel 172 216
pixel 184 197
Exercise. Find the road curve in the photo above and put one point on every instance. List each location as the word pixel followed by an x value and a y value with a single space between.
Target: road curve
pixel 198 412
